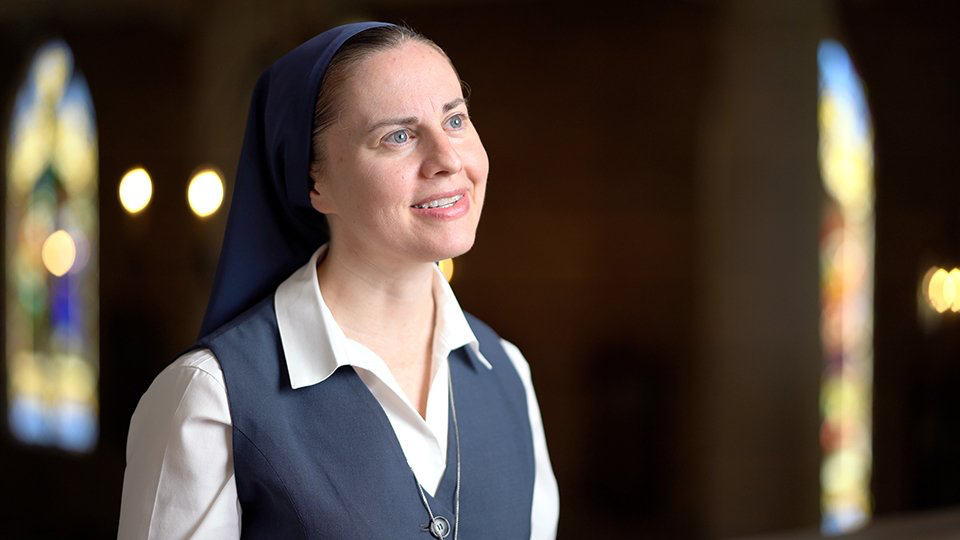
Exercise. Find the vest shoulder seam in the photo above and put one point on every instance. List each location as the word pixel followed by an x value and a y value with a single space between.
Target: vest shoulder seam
pixel 200 369
pixel 239 320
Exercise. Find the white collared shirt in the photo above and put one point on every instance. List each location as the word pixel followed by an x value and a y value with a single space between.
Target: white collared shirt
pixel 179 482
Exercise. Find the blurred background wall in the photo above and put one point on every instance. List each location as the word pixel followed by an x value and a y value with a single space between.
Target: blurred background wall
pixel 650 239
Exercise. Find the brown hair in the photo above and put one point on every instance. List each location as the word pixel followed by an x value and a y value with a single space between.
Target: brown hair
pixel 355 49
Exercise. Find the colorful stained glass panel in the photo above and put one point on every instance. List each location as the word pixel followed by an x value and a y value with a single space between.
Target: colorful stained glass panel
pixel 51 257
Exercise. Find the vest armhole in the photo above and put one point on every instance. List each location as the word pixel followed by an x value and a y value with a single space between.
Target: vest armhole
pixel 286 492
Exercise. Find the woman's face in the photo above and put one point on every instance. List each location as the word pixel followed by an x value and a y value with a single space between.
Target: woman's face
pixel 405 170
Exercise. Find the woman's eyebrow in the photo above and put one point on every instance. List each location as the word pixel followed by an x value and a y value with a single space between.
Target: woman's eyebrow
pixel 410 120
pixel 452 104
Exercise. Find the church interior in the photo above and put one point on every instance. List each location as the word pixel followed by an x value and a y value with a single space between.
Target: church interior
pixel 725 234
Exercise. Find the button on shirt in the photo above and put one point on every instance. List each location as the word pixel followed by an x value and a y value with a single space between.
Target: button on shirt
pixel 179 481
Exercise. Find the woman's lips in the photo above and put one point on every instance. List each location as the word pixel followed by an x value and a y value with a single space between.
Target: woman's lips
pixel 442 202
pixel 443 205
pixel 435 197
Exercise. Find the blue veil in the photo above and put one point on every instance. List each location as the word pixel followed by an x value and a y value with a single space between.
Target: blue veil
pixel 272 230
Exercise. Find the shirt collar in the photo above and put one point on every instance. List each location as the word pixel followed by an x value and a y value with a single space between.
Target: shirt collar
pixel 314 344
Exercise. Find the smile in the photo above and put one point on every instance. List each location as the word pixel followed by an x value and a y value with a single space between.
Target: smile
pixel 445 202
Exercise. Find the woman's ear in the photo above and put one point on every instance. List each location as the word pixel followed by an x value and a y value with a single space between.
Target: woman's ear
pixel 319 194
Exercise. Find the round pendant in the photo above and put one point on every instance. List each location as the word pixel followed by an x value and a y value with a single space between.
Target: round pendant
pixel 440 527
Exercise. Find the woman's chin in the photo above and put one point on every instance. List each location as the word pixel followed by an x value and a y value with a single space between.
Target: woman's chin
pixel 448 248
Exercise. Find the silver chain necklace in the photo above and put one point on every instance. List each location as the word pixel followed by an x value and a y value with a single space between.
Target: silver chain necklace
pixel 439 527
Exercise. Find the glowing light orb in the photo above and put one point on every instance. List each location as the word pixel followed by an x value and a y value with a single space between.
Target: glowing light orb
pixel 58 253
pixel 136 190
pixel 205 193
pixel 955 280
pixel 942 289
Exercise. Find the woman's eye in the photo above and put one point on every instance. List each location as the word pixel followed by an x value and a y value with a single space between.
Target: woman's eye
pixel 456 121
pixel 400 136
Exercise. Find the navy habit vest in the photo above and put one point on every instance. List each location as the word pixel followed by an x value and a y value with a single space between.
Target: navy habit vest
pixel 323 461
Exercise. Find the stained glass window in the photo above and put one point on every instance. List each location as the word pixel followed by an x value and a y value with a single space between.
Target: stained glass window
pixel 846 262
pixel 51 257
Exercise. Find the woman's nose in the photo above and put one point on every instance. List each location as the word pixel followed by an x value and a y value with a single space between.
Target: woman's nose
pixel 441 158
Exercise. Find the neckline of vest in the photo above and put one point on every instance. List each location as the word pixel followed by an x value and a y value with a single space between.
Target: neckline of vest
pixel 442 501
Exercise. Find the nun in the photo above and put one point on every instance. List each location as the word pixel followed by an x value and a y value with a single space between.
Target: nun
pixel 338 390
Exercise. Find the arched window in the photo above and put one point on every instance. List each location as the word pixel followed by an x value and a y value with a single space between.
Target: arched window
pixel 846 262
pixel 51 257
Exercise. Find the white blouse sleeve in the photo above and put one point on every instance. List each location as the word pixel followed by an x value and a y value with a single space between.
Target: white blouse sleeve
pixel 546 495
pixel 179 482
